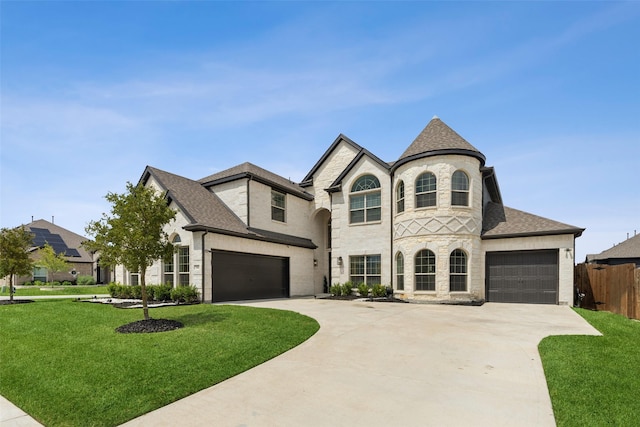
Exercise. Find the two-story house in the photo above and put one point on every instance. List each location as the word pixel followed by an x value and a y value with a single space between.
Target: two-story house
pixel 431 225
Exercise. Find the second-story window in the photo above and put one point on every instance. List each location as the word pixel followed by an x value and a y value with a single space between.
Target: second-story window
pixel 426 190
pixel 400 197
pixel 365 200
pixel 278 205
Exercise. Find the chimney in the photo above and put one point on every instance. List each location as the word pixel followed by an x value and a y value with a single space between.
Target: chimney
pixel 54 223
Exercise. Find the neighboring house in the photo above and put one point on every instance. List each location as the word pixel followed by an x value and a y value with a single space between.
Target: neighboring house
pixel 626 252
pixel 62 241
pixel 431 225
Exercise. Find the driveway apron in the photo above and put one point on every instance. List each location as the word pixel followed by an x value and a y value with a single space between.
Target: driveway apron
pixel 386 364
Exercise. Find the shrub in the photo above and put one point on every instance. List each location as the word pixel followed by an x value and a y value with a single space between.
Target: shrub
pixel 27 284
pixel 86 280
pixel 55 283
pixel 335 290
pixel 347 288
pixel 379 291
pixel 185 294
pixel 135 291
pixel 112 288
pixel 162 292
pixel 67 283
pixel 38 283
pixel 363 290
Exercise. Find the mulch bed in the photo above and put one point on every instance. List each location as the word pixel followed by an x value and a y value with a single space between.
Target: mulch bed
pixel 356 297
pixel 15 301
pixel 149 326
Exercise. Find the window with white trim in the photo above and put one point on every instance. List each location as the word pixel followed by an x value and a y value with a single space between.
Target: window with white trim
pixel 400 197
pixel 365 201
pixel 426 190
pixel 365 269
pixel 183 266
pixel 278 205
pixel 425 271
pixel 458 271
pixel 400 271
pixel 459 189
pixel 169 269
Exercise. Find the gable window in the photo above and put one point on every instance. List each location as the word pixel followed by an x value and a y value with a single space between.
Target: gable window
pixel 365 269
pixel 278 205
pixel 400 197
pixel 400 271
pixel 458 271
pixel 183 266
pixel 459 189
pixel 365 200
pixel 425 277
pixel 426 190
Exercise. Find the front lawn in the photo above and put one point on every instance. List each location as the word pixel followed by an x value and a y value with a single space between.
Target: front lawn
pixel 592 380
pixel 63 363
pixel 29 291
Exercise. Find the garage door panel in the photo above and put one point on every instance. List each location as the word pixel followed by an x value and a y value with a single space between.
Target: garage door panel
pixel 241 276
pixel 523 276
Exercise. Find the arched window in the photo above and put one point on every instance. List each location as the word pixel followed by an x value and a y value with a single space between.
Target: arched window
pixel 458 271
pixel 400 271
pixel 400 197
pixel 459 189
pixel 425 277
pixel 426 190
pixel 365 200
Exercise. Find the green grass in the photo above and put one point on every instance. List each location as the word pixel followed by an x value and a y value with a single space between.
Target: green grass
pixel 63 363
pixel 595 381
pixel 31 291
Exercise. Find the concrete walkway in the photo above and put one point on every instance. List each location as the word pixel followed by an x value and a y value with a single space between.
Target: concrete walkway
pixel 383 364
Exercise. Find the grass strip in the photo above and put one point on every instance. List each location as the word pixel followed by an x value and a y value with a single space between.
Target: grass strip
pixel 595 381
pixel 64 364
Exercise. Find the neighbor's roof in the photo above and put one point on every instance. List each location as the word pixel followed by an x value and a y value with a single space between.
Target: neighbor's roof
pixel 500 222
pixel 207 212
pixel 435 139
pixel 630 248
pixel 249 170
pixel 71 240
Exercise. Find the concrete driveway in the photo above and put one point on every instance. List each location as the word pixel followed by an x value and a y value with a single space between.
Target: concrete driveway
pixel 384 364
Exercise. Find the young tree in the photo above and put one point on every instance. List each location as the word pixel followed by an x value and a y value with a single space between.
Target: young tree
pixel 134 234
pixel 54 263
pixel 14 254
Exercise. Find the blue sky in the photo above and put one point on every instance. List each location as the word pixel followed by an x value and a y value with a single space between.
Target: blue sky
pixel 92 92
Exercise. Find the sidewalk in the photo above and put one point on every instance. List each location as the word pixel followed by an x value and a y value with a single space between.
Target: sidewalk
pixel 12 416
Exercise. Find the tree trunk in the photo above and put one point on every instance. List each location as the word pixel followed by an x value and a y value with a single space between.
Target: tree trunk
pixel 143 288
pixel 11 288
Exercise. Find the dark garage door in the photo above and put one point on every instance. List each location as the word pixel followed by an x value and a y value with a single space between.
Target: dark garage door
pixel 240 276
pixel 523 276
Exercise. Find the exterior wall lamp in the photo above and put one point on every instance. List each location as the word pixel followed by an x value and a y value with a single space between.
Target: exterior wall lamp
pixel 339 260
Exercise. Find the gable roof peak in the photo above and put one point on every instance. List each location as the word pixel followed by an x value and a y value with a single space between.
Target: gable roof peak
pixel 437 138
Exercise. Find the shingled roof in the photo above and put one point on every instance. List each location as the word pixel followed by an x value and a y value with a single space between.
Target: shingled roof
pixel 435 139
pixel 207 212
pixel 500 222
pixel 249 170
pixel 71 240
pixel 630 248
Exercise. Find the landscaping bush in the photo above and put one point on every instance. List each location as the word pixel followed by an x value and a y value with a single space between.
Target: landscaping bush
pixel 86 280
pixel 27 284
pixel 379 291
pixel 363 290
pixel 67 283
pixel 335 290
pixel 135 291
pixel 38 283
pixel 55 283
pixel 347 288
pixel 184 294
pixel 162 292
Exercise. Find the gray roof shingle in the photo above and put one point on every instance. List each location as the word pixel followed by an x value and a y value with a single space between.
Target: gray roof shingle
pixel 247 169
pixel 207 212
pixel 500 221
pixel 438 138
pixel 630 248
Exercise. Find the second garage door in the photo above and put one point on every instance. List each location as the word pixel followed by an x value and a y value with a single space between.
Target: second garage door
pixel 523 276
pixel 241 276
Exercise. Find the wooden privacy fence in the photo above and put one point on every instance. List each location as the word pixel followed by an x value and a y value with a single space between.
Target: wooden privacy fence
pixel 614 288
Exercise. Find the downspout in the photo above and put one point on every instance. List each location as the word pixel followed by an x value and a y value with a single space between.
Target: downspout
pixel 392 209
pixel 204 265
pixel 249 202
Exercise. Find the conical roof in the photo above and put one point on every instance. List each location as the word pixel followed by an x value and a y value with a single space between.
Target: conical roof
pixel 435 139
